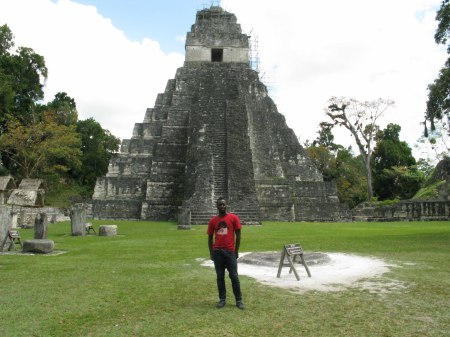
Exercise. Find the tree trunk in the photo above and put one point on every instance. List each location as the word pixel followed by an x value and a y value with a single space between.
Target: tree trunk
pixel 369 180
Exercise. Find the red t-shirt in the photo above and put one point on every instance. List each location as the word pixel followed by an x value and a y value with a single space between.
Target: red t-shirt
pixel 223 229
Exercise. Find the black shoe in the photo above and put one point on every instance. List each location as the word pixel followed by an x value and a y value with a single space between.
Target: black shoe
pixel 240 305
pixel 221 304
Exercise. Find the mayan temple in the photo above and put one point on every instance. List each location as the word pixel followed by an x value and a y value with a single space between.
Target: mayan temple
pixel 214 132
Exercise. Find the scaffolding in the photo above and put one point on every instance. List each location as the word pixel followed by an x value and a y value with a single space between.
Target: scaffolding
pixel 209 4
pixel 214 17
pixel 255 62
pixel 254 52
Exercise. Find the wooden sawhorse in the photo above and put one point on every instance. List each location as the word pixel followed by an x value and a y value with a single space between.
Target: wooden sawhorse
pixel 291 251
pixel 14 238
pixel 88 226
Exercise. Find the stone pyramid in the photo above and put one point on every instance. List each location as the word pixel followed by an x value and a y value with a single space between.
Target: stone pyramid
pixel 214 132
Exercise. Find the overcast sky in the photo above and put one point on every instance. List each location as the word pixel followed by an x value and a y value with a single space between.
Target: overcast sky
pixel 114 56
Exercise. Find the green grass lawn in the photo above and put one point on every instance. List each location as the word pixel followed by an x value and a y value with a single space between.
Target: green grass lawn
pixel 147 281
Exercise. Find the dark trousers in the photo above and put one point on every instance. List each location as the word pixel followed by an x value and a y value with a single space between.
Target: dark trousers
pixel 226 259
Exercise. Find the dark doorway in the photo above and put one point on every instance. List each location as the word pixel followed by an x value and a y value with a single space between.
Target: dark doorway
pixel 216 55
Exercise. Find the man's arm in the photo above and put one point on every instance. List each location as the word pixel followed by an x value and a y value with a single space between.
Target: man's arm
pixel 210 245
pixel 238 242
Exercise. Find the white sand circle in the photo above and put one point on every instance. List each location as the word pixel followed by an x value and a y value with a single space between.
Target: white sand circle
pixel 338 272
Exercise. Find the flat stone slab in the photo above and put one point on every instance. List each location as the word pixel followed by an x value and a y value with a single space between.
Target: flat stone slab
pixel 39 246
pixel 107 230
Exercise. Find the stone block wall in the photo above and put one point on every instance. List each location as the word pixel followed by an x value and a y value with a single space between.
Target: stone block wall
pixel 117 209
pixel 406 210
pixel 218 29
pixel 276 200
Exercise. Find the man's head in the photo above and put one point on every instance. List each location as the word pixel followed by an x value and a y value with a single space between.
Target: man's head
pixel 222 206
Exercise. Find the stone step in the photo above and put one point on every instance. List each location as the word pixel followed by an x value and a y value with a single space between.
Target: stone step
pixel 251 217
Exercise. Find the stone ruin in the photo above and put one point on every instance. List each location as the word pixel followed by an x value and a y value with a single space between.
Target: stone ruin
pixel 214 132
pixel 7 185
pixel 30 193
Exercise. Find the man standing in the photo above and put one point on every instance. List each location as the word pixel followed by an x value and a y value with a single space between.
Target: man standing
pixel 224 251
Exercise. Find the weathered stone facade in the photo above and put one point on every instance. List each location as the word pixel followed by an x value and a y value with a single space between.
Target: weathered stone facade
pixel 214 132
pixel 30 193
pixel 405 210
pixel 7 185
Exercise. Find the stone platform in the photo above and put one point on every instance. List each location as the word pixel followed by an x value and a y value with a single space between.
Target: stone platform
pixel 38 246
pixel 272 259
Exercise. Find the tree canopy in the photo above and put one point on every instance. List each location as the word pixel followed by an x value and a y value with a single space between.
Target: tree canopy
pixel 338 164
pixel 360 118
pixel 22 73
pixel 394 167
pixel 438 104
pixel 41 148
pixel 97 145
pixel 45 140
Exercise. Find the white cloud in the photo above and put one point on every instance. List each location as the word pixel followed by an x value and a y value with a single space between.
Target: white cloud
pixel 111 78
pixel 309 51
pixel 313 50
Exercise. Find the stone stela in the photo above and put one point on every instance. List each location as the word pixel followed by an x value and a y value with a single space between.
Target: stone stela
pixel 290 252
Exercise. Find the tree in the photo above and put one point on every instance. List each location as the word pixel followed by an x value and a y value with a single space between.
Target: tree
pixel 360 118
pixel 64 108
pixel 22 75
pixel 339 165
pixel 326 137
pixel 351 179
pixel 438 104
pixel 97 145
pixel 6 40
pixel 435 145
pixel 395 174
pixel 40 148
pixel 45 140
pixel 324 160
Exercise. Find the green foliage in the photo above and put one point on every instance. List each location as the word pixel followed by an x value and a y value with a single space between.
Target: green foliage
pixel 398 182
pixel 6 40
pixel 390 151
pixel 148 281
pixel 425 167
pixel 430 192
pixel 443 31
pixel 339 165
pixel 388 202
pixel 64 109
pixel 22 74
pixel 324 160
pixel 351 178
pixel 437 186
pixel 63 193
pixel 360 119
pixel 438 104
pixel 325 137
pixel 97 145
pixel 395 174
pixel 41 148
pixel 46 140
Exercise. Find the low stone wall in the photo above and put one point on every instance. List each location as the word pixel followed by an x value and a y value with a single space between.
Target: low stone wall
pixel 301 201
pixel 26 215
pixel 408 210
pixel 117 209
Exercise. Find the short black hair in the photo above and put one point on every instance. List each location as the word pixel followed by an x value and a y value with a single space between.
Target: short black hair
pixel 220 198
